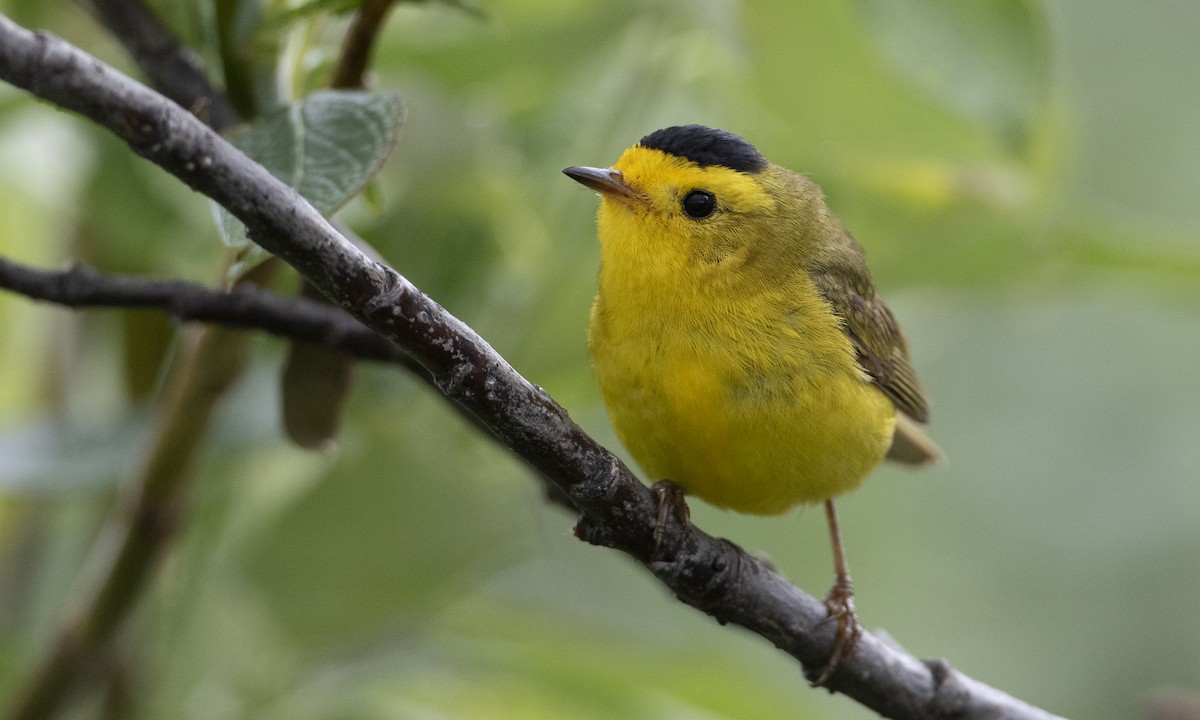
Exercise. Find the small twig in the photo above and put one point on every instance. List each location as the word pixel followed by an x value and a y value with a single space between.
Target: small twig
pixel 245 307
pixel 618 511
pixel 355 56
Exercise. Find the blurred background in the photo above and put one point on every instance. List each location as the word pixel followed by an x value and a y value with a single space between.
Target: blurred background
pixel 1024 177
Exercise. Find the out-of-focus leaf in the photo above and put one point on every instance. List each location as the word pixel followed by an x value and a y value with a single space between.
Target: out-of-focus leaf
pixel 1166 266
pixel 934 183
pixel 988 60
pixel 367 549
pixel 316 381
pixel 327 146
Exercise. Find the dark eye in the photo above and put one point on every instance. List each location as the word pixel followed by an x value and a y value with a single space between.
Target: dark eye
pixel 699 204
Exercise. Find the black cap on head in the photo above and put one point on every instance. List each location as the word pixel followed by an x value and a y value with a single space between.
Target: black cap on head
pixel 706 146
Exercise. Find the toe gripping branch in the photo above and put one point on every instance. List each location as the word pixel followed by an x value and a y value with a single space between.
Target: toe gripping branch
pixel 702 571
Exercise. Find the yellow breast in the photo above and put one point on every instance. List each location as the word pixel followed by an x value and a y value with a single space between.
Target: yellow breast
pixel 751 400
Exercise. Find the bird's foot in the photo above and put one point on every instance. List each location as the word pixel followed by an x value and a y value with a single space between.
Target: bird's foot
pixel 840 605
pixel 672 509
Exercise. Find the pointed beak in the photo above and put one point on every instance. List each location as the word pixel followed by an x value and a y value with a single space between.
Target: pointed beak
pixel 605 181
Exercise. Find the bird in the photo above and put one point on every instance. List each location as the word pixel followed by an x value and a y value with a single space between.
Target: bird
pixel 739 344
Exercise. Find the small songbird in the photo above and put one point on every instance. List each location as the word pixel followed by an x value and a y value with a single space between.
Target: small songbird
pixel 741 349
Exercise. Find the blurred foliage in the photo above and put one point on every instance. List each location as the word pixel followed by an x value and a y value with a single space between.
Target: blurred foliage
pixel 1023 176
pixel 986 60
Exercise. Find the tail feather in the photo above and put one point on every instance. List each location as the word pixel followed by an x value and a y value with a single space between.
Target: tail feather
pixel 911 446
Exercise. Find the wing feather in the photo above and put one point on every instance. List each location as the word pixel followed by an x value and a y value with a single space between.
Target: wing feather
pixel 843 278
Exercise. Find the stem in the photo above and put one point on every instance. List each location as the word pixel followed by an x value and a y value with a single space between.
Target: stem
pixel 236 66
pixel 360 40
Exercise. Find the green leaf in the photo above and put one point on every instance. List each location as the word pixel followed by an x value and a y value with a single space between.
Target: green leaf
pixel 987 60
pixel 327 146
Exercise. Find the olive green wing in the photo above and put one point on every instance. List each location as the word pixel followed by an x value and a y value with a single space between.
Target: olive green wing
pixel 880 344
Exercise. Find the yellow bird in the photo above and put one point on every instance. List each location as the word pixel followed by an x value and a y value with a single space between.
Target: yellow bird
pixel 740 347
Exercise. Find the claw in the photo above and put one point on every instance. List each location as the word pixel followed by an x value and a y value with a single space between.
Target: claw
pixel 840 605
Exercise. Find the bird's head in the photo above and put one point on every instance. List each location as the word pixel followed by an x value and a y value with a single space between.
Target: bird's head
pixel 692 198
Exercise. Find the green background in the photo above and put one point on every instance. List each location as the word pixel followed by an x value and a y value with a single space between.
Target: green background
pixel 1024 177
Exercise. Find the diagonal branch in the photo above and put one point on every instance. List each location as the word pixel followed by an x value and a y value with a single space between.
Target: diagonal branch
pixel 618 511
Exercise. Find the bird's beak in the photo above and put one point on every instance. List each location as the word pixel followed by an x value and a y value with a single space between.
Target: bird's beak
pixel 605 181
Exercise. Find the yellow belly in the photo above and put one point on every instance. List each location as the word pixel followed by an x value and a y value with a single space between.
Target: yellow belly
pixel 754 419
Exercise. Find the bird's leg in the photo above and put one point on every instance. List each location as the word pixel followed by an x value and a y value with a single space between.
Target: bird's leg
pixel 839 602
pixel 671 507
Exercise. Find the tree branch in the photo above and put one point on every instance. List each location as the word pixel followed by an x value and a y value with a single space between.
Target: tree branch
pixel 712 575
pixel 245 307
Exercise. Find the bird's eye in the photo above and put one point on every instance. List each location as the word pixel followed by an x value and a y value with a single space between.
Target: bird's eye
pixel 699 204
